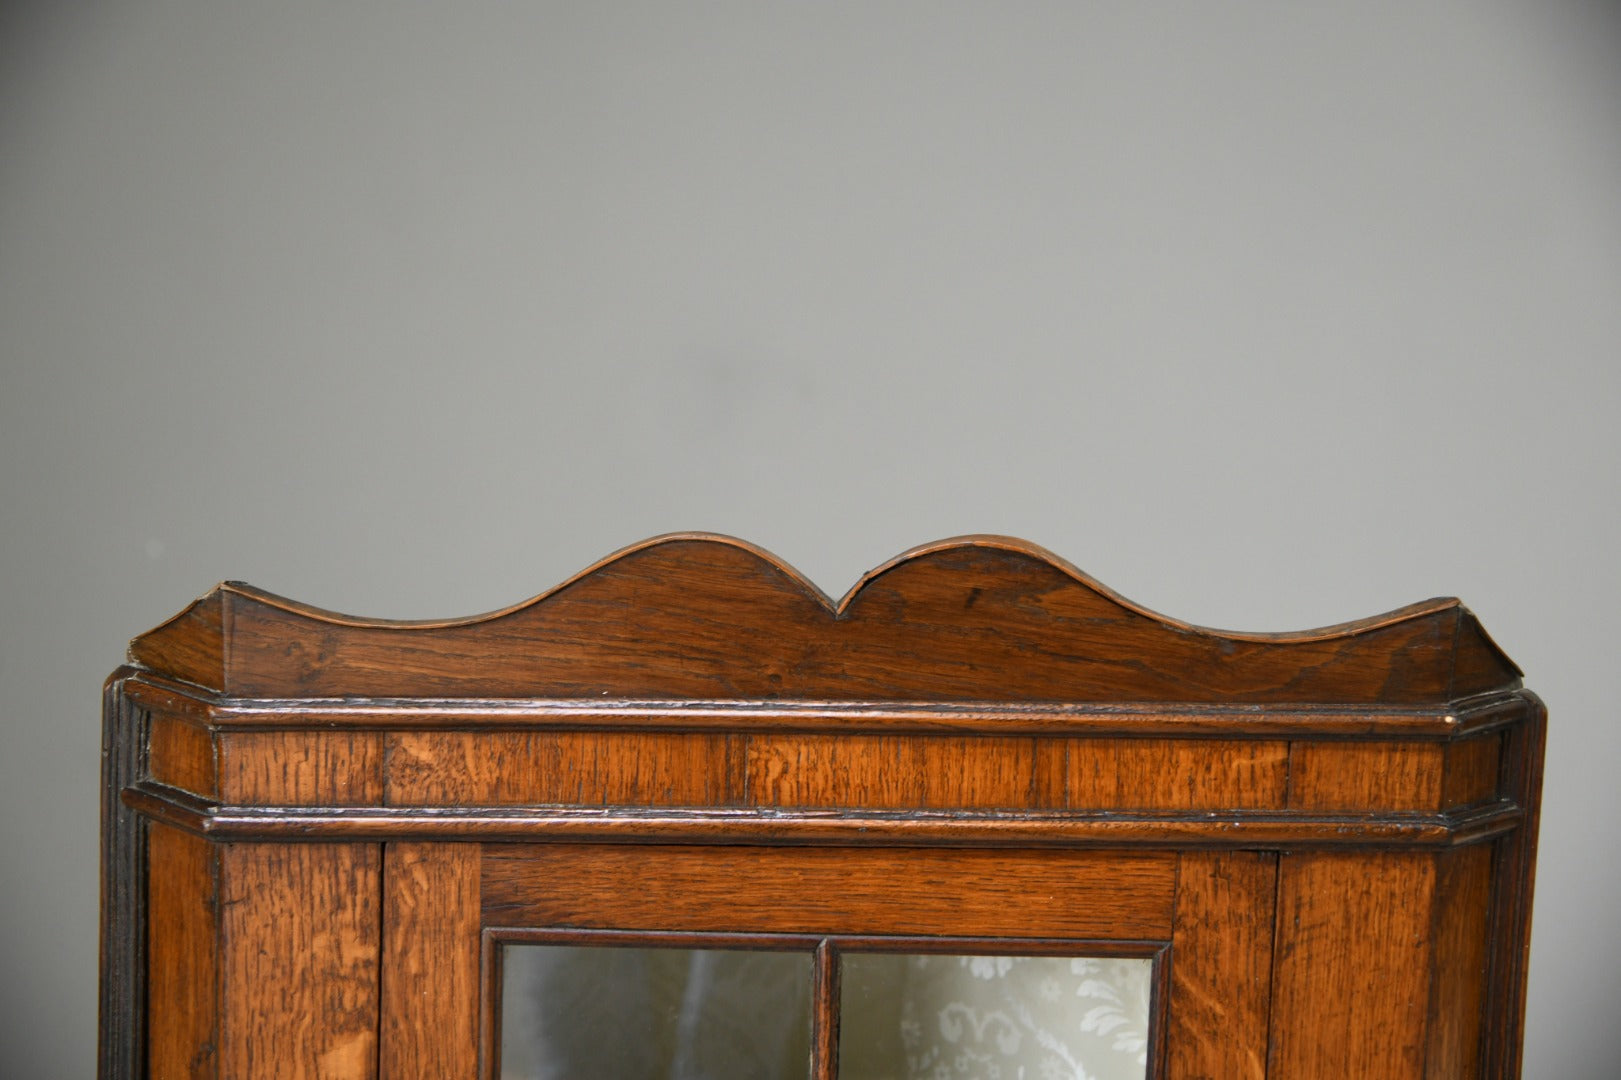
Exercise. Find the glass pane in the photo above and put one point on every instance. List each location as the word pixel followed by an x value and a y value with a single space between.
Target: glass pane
pixel 599 1012
pixel 993 1017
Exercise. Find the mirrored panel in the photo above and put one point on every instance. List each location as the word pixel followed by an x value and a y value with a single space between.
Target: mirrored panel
pixel 911 1017
pixel 599 1012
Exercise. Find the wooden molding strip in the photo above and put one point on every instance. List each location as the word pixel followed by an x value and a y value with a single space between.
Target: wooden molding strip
pixel 165 696
pixel 182 810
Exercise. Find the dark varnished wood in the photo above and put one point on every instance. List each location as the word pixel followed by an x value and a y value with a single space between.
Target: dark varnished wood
pixel 823 891
pixel 183 983
pixel 1513 881
pixel 982 618
pixel 824 1063
pixel 789 827
pixel 301 768
pixel 180 753
pixel 566 767
pixel 319 829
pixel 1474 770
pixel 1444 720
pixel 1459 937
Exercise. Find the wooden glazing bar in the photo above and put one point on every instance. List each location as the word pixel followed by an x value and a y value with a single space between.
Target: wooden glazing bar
pixel 825 1013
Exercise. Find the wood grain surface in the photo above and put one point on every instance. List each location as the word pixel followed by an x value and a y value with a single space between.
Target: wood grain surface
pixel 1351 967
pixel 502 768
pixel 891 772
pixel 1474 768
pixel 824 1058
pixel 695 616
pixel 308 768
pixel 1169 774
pixel 1366 775
pixel 299 944
pixel 183 985
pixel 316 828
pixel 1076 894
pixel 430 1006
pixel 1221 966
pixel 1458 943
pixel 181 753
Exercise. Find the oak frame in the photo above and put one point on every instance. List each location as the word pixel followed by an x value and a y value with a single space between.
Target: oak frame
pixel 282 776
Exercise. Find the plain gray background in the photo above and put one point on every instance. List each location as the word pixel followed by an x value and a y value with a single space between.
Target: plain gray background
pixel 1268 316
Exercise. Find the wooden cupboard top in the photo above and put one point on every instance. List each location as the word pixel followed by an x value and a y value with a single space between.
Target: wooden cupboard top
pixel 309 815
pixel 700 617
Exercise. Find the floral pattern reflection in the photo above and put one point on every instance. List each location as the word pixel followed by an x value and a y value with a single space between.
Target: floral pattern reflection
pixel 995 1018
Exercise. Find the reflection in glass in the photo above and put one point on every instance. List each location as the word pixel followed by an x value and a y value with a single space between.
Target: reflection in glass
pixel 961 1017
pixel 612 1013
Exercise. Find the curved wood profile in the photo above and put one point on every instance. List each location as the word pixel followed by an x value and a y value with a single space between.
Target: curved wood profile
pixel 696 616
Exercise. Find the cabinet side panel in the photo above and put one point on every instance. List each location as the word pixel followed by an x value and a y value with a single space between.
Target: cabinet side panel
pixel 182 962
pixel 122 1006
pixel 299 927
pixel 430 1019
pixel 1458 989
pixel 1474 770
pixel 1514 873
pixel 1351 966
pixel 181 754
pixel 1221 966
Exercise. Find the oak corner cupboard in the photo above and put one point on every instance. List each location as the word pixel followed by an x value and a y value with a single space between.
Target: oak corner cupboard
pixel 684 816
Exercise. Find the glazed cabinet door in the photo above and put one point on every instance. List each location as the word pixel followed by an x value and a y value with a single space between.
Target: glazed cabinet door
pixel 501 960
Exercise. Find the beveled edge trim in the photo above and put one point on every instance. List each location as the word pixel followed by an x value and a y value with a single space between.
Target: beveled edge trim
pixel 1455 720
pixel 733 826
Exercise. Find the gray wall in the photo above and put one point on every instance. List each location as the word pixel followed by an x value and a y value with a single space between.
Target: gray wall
pixel 1266 316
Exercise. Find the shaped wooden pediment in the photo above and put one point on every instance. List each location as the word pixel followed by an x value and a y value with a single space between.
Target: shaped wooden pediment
pixel 700 617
